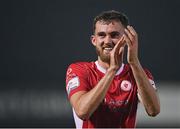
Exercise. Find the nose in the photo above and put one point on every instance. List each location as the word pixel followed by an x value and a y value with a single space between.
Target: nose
pixel 107 40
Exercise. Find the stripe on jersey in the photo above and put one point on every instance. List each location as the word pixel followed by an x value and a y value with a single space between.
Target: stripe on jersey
pixel 72 84
pixel 78 121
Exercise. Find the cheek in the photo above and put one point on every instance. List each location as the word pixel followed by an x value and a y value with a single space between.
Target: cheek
pixel 99 42
pixel 99 39
pixel 115 41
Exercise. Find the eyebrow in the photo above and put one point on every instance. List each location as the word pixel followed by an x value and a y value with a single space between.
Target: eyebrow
pixel 113 32
pixel 100 33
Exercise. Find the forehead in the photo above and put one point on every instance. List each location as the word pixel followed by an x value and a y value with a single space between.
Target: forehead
pixel 102 26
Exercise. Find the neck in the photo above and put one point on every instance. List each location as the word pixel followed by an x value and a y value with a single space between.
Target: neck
pixel 105 65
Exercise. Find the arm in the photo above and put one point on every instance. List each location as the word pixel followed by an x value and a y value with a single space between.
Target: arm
pixel 85 103
pixel 148 94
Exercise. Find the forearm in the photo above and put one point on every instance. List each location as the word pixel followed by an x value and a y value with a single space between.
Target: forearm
pixel 89 102
pixel 145 89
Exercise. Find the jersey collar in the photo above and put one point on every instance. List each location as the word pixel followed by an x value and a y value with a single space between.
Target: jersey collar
pixel 103 70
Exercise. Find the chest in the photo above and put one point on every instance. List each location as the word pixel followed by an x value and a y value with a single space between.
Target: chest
pixel 121 92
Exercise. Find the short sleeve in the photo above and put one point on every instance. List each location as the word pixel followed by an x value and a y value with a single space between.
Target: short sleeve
pixel 76 79
pixel 150 77
pixel 151 80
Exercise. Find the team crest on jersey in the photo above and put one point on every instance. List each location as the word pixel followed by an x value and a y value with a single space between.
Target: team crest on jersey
pixel 126 85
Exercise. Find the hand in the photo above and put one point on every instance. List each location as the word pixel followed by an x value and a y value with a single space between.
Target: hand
pixel 131 38
pixel 116 55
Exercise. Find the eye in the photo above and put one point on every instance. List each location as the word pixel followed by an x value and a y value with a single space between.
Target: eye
pixel 101 34
pixel 115 35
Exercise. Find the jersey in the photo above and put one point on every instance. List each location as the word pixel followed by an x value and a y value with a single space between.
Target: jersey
pixel 119 107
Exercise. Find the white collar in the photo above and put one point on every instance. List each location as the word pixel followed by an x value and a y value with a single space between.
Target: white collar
pixel 103 70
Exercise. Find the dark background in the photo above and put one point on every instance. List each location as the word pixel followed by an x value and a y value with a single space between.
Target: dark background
pixel 40 38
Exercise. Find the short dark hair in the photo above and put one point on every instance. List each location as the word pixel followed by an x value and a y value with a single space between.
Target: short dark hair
pixel 108 16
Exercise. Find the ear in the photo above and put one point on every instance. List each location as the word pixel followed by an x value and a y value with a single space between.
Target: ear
pixel 93 40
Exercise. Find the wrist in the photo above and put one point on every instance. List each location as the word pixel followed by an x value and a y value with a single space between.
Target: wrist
pixel 135 65
pixel 112 70
pixel 135 62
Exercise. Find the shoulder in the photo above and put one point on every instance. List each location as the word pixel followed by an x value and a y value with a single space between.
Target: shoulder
pixel 146 70
pixel 81 65
pixel 128 68
pixel 80 68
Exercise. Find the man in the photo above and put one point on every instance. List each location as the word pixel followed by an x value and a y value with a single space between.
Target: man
pixel 105 93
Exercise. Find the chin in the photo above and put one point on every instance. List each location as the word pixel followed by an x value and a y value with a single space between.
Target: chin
pixel 105 59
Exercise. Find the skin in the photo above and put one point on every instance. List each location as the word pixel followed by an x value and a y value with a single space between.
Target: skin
pixel 109 40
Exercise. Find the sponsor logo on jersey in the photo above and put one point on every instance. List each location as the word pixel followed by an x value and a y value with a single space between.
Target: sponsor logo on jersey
pixel 72 84
pixel 69 71
pixel 152 83
pixel 116 105
pixel 126 85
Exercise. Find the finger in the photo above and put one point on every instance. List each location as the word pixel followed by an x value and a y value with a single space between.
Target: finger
pixel 129 35
pixel 120 43
pixel 132 30
pixel 121 50
pixel 128 41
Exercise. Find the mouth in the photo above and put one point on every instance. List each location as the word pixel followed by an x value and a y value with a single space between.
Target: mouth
pixel 107 49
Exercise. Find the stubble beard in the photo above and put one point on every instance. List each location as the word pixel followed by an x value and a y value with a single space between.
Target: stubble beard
pixel 105 58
